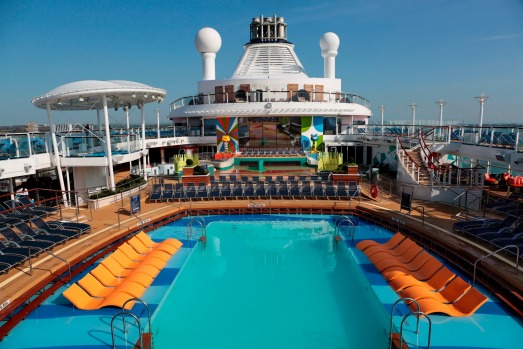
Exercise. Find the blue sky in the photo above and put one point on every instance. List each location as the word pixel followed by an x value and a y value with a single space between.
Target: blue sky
pixel 393 52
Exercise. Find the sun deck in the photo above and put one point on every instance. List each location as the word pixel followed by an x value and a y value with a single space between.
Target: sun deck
pixel 433 230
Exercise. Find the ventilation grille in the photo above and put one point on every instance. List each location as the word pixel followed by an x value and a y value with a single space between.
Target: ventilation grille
pixel 269 60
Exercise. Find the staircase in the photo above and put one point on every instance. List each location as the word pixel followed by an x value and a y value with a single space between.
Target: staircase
pixel 423 176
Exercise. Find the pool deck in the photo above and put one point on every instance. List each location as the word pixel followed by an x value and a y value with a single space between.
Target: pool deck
pixel 437 225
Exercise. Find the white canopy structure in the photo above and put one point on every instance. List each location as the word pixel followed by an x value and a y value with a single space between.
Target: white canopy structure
pixel 98 95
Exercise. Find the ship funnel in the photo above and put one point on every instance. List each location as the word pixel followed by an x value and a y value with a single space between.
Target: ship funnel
pixel 208 42
pixel 329 44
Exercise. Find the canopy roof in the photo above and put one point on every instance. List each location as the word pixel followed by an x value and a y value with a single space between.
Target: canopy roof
pixel 88 94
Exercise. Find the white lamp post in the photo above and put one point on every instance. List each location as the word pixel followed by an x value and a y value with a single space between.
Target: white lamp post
pixel 413 106
pixel 381 108
pixel 441 103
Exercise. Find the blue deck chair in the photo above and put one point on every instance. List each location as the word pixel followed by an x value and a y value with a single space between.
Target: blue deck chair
pixel 27 231
pixel 291 178
pixel 43 227
pixel 222 179
pixel 353 189
pixel 167 192
pixel 272 189
pixel 484 223
pixel 15 239
pixel 294 190
pixel 13 209
pixel 248 190
pixel 202 191
pixel 237 190
pixel 504 242
pixel 81 228
pixel 341 190
pixel 504 233
pixel 501 228
pixel 178 192
pixel 283 189
pixel 24 200
pixel 268 178
pixel 11 259
pixel 330 190
pixel 244 178
pixel 306 190
pixel 317 190
pixel 214 191
pixel 279 178
pixel 259 190
pixel 190 191
pixel 5 247
pixel 232 178
pixel 156 193
pixel 225 191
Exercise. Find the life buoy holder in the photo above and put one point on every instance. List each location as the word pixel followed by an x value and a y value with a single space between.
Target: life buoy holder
pixel 374 191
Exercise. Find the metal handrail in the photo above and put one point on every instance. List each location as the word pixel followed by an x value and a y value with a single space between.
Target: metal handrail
pixel 351 224
pixel 123 209
pixel 391 323
pixel 123 314
pixel 63 260
pixel 417 314
pixel 422 213
pixel 492 253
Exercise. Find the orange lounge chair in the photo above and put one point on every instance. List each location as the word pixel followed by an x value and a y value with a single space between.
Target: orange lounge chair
pixel 465 306
pixel 149 259
pixel 118 269
pixel 425 272
pixel 150 243
pixel 436 282
pixel 95 288
pixel 109 279
pixel 403 247
pixel 139 247
pixel 128 263
pixel 390 244
pixel 450 293
pixel 413 265
pixel 406 257
pixel 82 300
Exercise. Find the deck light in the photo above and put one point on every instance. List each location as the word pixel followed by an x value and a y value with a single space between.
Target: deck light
pixel 133 95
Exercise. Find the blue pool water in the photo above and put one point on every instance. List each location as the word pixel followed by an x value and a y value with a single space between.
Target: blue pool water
pixel 270 284
pixel 286 288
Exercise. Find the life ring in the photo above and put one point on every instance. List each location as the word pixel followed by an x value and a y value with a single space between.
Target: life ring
pixel 374 191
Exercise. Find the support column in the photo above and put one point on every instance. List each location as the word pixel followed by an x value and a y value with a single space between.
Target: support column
pixel 162 156
pixel 56 155
pixel 127 120
pixel 108 151
pixel 143 138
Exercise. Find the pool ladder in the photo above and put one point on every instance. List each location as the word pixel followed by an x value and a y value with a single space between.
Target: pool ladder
pixel 145 339
pixel 189 229
pixel 396 342
pixel 352 228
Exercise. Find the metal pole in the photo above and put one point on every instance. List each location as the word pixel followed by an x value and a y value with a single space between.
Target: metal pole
pixel 481 99
pixel 56 155
pixel 413 106
pixel 382 108
pixel 441 103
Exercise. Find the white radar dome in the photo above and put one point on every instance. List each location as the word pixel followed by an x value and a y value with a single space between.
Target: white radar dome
pixel 208 40
pixel 329 42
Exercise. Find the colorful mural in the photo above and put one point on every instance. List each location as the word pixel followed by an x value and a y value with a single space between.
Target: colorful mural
pixel 227 126
pixel 312 133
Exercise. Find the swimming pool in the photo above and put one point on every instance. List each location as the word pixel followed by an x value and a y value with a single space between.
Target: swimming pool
pixel 57 324
pixel 271 284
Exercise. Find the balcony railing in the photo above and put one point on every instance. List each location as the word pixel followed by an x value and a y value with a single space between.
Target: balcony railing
pixel 270 96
